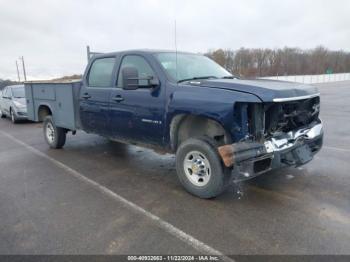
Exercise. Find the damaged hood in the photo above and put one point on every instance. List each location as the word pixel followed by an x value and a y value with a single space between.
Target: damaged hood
pixel 266 90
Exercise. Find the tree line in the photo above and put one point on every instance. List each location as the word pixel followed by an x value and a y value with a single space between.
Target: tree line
pixel 257 62
pixel 6 82
pixel 250 62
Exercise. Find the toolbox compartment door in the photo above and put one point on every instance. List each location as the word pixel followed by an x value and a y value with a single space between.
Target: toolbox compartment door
pixel 64 115
pixel 44 91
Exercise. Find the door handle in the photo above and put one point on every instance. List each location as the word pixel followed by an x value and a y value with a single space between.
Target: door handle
pixel 118 98
pixel 86 96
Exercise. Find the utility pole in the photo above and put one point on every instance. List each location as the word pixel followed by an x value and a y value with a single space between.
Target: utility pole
pixel 24 68
pixel 19 78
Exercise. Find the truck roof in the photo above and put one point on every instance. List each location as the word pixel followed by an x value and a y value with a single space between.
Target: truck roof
pixel 142 51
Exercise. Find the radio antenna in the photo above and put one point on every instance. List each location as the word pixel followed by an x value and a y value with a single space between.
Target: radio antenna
pixel 175 50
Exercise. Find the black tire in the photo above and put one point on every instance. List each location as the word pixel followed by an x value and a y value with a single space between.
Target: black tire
pixel 13 117
pixel 2 115
pixel 219 176
pixel 56 136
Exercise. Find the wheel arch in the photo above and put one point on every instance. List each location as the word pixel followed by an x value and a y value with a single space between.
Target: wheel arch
pixel 43 111
pixel 184 126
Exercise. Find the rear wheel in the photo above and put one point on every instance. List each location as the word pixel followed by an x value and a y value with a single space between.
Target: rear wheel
pixel 200 169
pixel 54 136
pixel 2 114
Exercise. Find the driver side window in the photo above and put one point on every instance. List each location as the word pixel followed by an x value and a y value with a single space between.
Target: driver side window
pixel 138 62
pixel 7 93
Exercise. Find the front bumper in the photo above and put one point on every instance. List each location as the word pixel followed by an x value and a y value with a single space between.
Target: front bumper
pixel 294 148
pixel 21 114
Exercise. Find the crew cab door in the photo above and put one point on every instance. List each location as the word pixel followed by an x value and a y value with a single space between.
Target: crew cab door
pixel 137 115
pixel 94 96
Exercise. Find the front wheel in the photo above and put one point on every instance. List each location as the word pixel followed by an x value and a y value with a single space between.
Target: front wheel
pixel 54 136
pixel 200 169
pixel 13 116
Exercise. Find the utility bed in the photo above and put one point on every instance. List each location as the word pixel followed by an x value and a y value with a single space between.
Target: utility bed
pixel 62 99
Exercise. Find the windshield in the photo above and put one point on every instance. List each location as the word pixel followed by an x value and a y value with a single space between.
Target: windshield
pixel 18 92
pixel 190 66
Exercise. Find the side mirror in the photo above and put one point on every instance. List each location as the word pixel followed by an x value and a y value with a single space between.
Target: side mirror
pixel 130 78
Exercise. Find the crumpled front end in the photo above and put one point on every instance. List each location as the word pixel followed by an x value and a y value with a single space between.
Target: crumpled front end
pixel 279 135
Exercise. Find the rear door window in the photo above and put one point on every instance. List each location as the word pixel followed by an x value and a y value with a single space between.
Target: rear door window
pixel 101 72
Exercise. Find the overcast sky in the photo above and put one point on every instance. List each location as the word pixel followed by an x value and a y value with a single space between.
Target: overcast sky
pixel 52 34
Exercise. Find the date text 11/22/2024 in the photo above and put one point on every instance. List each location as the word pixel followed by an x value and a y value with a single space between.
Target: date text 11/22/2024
pixel 174 258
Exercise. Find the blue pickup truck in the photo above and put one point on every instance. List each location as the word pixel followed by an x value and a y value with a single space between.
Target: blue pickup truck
pixel 221 128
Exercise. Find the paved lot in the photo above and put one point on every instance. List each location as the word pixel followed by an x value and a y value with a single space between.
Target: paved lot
pixel 97 197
